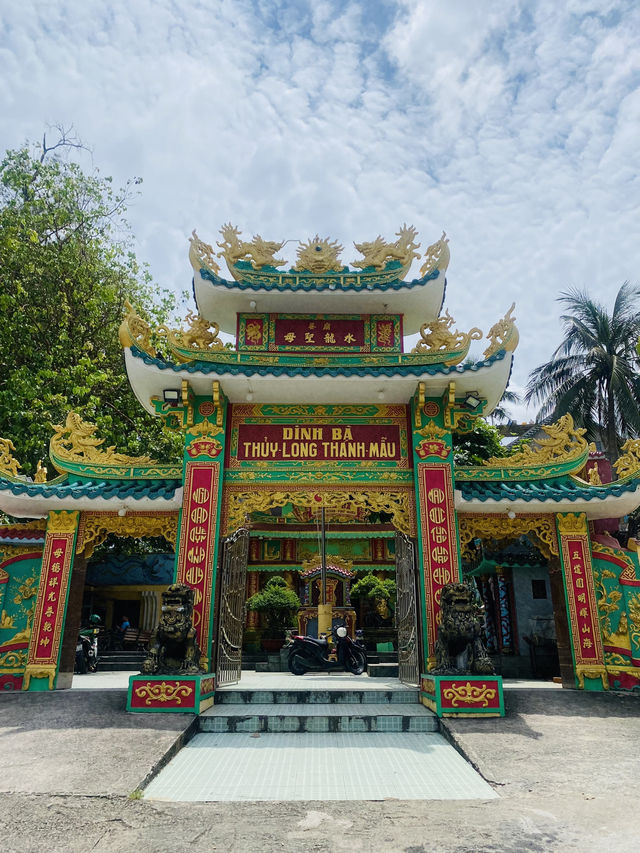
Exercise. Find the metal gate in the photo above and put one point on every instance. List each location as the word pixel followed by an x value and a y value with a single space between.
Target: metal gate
pixel 407 611
pixel 231 610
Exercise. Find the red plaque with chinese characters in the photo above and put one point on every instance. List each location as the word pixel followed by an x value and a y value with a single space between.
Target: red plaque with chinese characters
pixel 581 601
pixel 197 544
pixel 305 333
pixel 439 539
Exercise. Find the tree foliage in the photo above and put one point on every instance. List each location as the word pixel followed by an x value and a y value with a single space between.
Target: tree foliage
pixel 373 588
pixel 477 445
pixel 593 374
pixel 279 604
pixel 66 268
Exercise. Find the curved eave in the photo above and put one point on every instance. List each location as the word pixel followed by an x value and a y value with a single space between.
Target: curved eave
pixel 419 301
pixel 149 377
pixel 31 500
pixel 611 501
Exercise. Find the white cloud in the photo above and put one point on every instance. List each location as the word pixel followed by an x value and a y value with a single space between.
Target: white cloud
pixel 512 125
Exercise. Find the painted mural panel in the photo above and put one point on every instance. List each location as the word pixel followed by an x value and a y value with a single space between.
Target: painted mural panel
pixel 19 579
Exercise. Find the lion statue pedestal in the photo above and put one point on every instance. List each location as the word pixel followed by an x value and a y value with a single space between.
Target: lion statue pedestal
pixel 463 681
pixel 172 678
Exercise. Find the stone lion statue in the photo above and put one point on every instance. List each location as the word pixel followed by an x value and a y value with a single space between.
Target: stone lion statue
pixel 459 648
pixel 173 648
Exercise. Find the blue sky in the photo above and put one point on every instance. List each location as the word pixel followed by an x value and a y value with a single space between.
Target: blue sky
pixel 512 125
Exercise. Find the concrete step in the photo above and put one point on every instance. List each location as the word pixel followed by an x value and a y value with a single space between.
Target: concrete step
pixel 301 717
pixel 382 670
pixel 397 695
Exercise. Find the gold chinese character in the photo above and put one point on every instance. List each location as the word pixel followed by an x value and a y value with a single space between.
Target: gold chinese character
pixel 290 337
pixel 577 570
pixel 308 338
pixel 583 612
pixel 48 627
pixel 582 598
pixel 52 597
pixel 586 643
pixel 53 582
pixel 45 641
pixel 312 325
pixel 586 629
pixel 576 555
pixel 49 611
pixel 56 567
pixel 329 338
pixel 349 339
pixel 58 552
pixel 326 326
pixel 579 583
pixel 439 534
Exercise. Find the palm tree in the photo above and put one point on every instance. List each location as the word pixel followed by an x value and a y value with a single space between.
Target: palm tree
pixel 593 374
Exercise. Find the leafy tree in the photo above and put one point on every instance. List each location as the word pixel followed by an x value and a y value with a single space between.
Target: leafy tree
pixel 66 268
pixel 279 604
pixel 593 374
pixel 479 444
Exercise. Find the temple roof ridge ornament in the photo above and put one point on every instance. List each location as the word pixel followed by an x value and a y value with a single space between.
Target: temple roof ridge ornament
pixel 319 255
pixel 628 463
pixel 200 337
pixel 565 451
pixel 378 252
pixel 9 465
pixel 134 330
pixel 503 334
pixel 437 256
pixel 437 338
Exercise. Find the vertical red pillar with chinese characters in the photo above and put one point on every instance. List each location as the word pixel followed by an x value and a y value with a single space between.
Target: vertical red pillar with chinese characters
pixel 51 602
pixel 197 545
pixel 582 609
pixel 438 543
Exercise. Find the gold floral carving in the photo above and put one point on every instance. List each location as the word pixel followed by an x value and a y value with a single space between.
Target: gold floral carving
pixel 499 527
pixel 62 521
pixel 431 430
pixel 319 256
pixel 8 463
pixel 379 252
pixel 163 692
pixel 437 336
pixel 469 693
pixel 206 429
pixel 313 562
pixel 39 671
pixel 564 444
pixel 13 661
pixel 628 463
pixel 95 527
pixel 437 256
pixel 259 252
pixel 41 473
pixel 503 334
pixel 201 255
pixel 76 442
pixel 633 605
pixel 591 671
pixel 571 523
pixel 135 331
pixel 240 503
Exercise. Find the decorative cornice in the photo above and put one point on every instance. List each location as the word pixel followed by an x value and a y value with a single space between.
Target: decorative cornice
pixel 503 335
pixel 64 521
pixel 572 523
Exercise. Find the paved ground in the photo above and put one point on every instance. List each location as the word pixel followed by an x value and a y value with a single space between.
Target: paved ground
pixel 564 763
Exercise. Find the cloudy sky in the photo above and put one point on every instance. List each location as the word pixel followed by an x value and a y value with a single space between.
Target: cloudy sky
pixel 512 125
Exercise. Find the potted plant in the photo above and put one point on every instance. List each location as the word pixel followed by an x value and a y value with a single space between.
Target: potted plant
pixel 379 594
pixel 279 604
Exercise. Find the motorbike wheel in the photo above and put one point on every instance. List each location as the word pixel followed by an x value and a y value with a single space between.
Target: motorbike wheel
pixel 356 662
pixel 81 664
pixel 296 664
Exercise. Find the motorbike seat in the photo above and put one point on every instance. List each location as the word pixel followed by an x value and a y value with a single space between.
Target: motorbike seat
pixel 323 643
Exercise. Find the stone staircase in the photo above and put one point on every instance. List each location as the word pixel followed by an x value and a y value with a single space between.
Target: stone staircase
pixel 120 661
pixel 339 709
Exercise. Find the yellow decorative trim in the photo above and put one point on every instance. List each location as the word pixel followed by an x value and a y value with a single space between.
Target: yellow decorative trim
pixel 75 442
pixel 332 560
pixel 589 671
pixel 319 255
pixel 437 337
pixel 200 337
pixel 95 527
pixel 469 693
pixel 378 253
pixel 543 527
pixel 135 331
pixel 572 522
pixel 14 660
pixel 62 521
pixel 431 431
pixel 565 444
pixel 39 671
pixel 8 463
pixel 628 463
pixel 201 255
pixel 239 503
pixel 163 692
pixel 437 256
pixel 503 334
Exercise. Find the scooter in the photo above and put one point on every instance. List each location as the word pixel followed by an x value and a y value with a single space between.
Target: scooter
pixel 86 653
pixel 308 654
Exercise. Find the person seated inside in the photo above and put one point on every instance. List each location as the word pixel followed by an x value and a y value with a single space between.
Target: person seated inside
pixel 122 628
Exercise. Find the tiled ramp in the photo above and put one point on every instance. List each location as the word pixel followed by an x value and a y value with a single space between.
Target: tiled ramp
pixel 318 766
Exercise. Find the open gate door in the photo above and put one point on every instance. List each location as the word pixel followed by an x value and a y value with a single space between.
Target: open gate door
pixel 407 611
pixel 231 610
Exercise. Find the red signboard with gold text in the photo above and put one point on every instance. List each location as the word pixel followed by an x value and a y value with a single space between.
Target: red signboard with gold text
pixel 197 544
pixel 581 601
pixel 439 540
pixel 319 442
